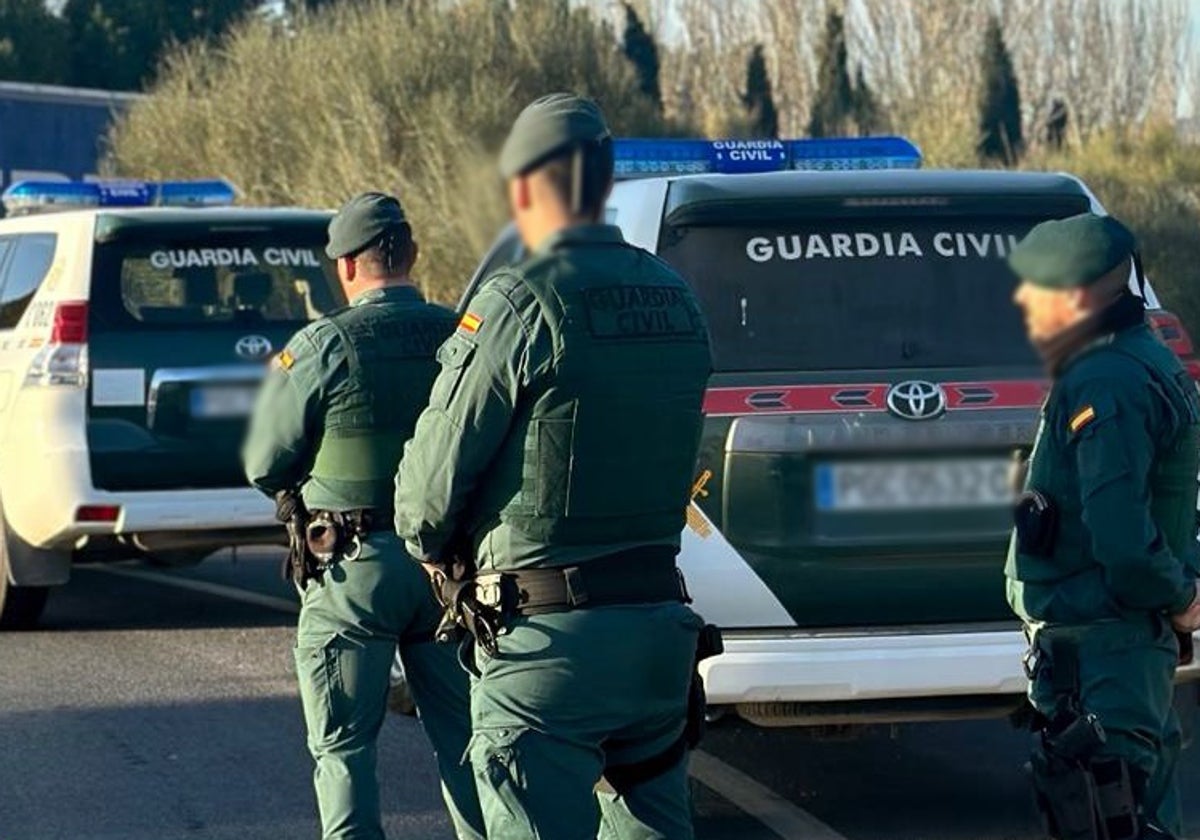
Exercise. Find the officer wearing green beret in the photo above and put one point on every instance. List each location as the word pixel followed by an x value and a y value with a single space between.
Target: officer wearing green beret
pixel 1103 562
pixel 555 456
pixel 331 420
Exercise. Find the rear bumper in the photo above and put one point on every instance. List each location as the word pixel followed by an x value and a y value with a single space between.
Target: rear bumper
pixel 164 518
pixel 797 667
pixel 45 477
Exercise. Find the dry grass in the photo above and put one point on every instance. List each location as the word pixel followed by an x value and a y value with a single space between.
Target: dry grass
pixel 1150 181
pixel 416 97
pixel 413 98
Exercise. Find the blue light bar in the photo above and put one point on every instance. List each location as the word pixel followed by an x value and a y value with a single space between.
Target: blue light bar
pixel 639 158
pixel 25 197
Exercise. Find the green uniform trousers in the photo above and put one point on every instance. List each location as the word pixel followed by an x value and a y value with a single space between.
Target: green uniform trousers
pixel 1126 679
pixel 349 626
pixel 567 693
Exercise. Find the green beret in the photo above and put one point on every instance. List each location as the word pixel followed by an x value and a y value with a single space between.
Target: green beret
pixel 1072 252
pixel 361 221
pixel 549 125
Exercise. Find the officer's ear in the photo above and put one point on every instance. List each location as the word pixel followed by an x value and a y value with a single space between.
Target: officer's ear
pixel 405 267
pixel 347 269
pixel 520 192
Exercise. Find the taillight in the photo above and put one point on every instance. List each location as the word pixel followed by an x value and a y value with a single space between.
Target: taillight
pixel 63 361
pixel 1171 332
pixel 97 513
pixel 70 323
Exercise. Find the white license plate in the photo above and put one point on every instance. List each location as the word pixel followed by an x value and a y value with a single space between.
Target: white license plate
pixel 222 401
pixel 913 485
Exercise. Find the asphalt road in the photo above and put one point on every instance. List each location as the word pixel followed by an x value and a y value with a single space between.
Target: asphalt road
pixel 144 710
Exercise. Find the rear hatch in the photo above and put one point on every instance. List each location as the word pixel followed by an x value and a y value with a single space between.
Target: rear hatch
pixel 872 379
pixel 186 309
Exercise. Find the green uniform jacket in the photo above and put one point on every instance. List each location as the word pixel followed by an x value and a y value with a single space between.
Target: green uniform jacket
pixel 1117 451
pixel 312 376
pixel 539 453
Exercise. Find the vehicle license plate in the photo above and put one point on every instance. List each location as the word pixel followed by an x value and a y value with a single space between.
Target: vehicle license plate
pixel 913 485
pixel 222 401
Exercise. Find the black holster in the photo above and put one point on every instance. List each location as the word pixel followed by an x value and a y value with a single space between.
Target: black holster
pixel 1091 799
pixel 1035 520
pixel 623 777
pixel 456 590
pixel 1082 795
pixel 299 566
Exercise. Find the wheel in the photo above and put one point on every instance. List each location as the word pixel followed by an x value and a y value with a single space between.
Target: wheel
pixel 176 558
pixel 20 606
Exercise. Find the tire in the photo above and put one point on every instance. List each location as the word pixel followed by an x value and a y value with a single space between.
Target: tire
pixel 20 606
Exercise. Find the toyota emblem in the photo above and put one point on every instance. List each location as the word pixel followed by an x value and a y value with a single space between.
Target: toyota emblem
pixel 253 346
pixel 916 400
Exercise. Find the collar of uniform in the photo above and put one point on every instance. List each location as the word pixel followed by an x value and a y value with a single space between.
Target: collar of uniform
pixel 388 293
pixel 581 235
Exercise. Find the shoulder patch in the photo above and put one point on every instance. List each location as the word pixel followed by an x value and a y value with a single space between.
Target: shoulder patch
pixel 283 361
pixel 470 323
pixel 1081 418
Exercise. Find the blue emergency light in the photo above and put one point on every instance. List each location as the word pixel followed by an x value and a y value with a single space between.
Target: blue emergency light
pixel 24 197
pixel 641 158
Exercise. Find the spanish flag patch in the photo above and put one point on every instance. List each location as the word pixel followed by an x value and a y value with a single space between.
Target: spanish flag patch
pixel 1082 417
pixel 470 323
pixel 282 361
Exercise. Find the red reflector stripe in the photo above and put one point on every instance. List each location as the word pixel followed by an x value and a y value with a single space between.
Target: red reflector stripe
pixel 97 513
pixel 794 399
pixel 1019 393
pixel 1171 332
pixel 70 323
pixel 869 397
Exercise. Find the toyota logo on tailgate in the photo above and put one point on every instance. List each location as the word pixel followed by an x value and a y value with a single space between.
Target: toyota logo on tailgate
pixel 916 400
pixel 252 346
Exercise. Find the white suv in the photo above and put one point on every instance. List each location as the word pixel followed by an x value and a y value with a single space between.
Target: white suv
pixel 135 323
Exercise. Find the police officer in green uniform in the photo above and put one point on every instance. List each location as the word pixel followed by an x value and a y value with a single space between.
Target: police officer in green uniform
pixel 331 421
pixel 1103 563
pixel 556 456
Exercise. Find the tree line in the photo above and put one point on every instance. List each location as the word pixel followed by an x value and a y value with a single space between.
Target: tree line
pixel 120 44
pixel 109 44
pixel 843 103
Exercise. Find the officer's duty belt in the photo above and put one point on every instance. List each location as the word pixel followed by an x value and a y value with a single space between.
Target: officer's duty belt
pixel 361 521
pixel 643 575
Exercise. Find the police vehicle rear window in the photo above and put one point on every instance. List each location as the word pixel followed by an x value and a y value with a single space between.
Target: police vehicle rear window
pixel 856 293
pixel 215 279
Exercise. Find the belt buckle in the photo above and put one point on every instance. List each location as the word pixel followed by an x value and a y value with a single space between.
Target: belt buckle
pixel 577 594
pixel 489 591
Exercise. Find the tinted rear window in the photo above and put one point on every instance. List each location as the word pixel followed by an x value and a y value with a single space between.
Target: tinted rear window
pixel 853 293
pixel 279 275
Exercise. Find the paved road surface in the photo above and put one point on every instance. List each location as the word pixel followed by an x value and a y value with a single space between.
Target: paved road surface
pixel 148 711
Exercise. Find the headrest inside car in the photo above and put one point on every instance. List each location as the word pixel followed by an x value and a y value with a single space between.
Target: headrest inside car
pixel 251 289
